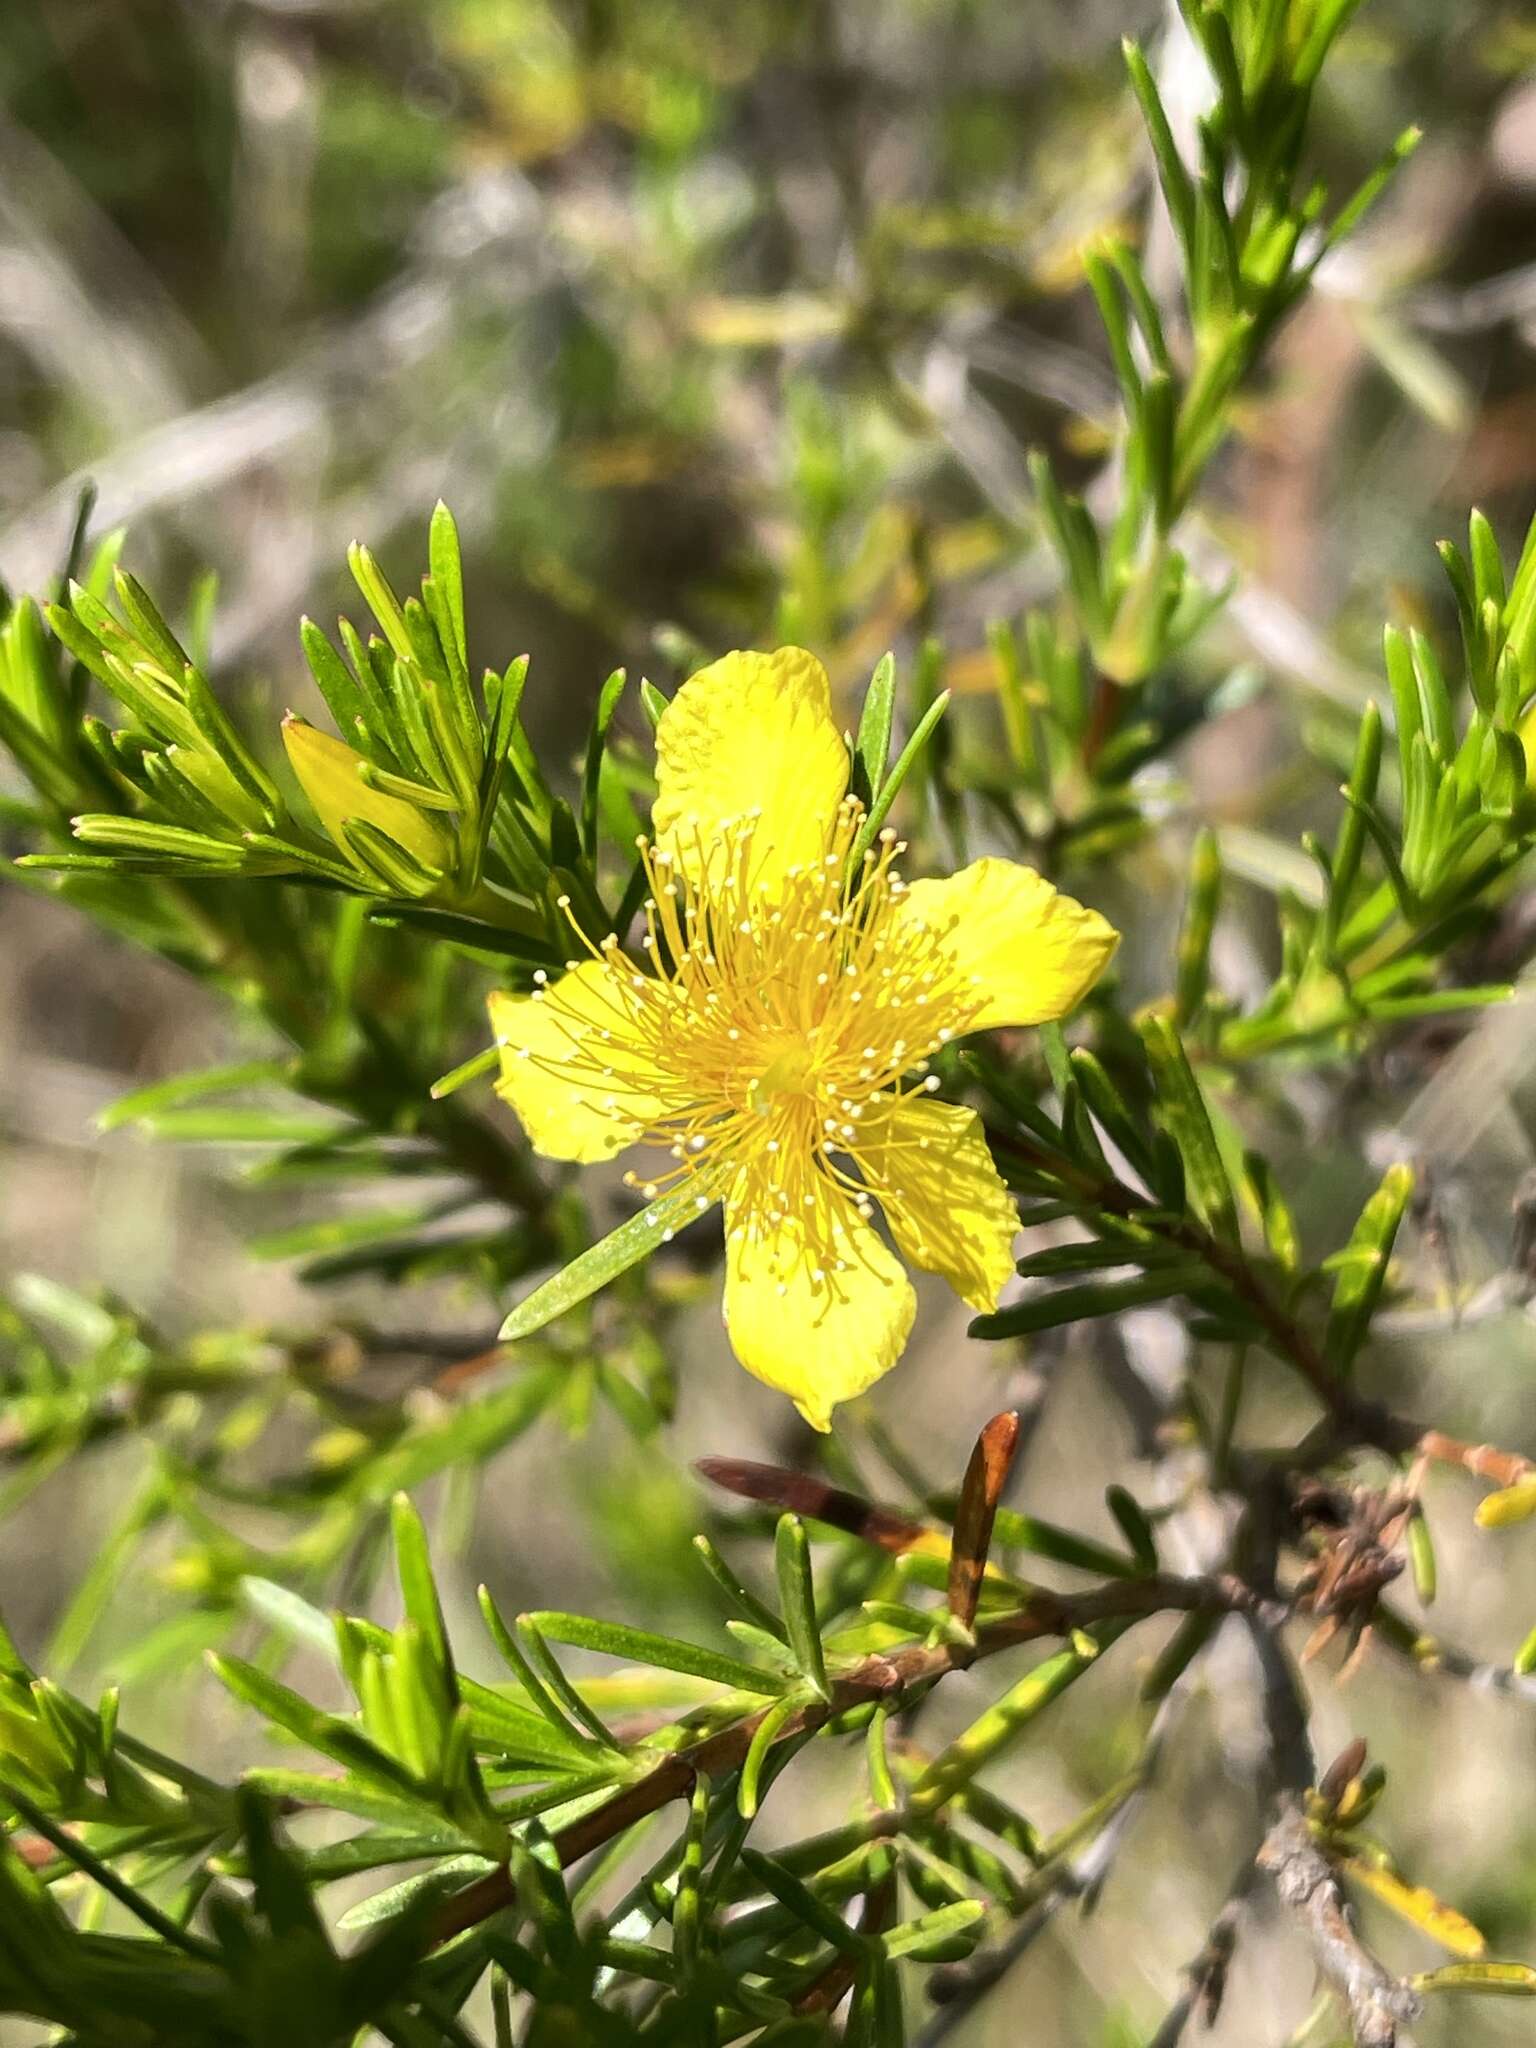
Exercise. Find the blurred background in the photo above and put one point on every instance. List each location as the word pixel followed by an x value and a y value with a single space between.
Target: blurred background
pixel 717 323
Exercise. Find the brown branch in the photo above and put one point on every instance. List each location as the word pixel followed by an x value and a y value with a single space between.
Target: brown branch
pixel 1351 1417
pixel 1483 1461
pixel 886 1676
pixel 1206 1976
pixel 1379 2004
pixel 835 1982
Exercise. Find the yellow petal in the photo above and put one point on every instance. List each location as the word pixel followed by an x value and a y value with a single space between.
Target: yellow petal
pixel 944 1199
pixel 1031 953
pixel 553 1076
pixel 327 771
pixel 752 732
pixel 815 1306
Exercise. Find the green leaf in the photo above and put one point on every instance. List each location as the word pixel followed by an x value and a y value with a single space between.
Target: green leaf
pixel 924 1938
pixel 472 1069
pixel 1004 1722
pixel 341 1740
pixel 290 1614
pixel 1200 909
pixel 603 1261
pixel 640 1646
pixel 335 1234
pixel 1134 1526
pixel 1279 1228
pixel 880 810
pixel 1096 1255
pixel 410 1893
pixel 1064 1546
pixel 1421 1554
pixel 1083 1304
pixel 553 1677
pixel 385 866
pixel 172 843
pixel 797 1596
pixel 447 572
pixel 597 742
pixel 1109 1107
pixel 418 1587
pixel 239 1126
pixel 143 615
pixel 571 1732
pixel 344 1794
pixel 746 1602
pixel 344 700
pixel 1178 191
pixel 1364 1268
pixel 872 746
pixel 520 1735
pixel 421 794
pixel 769 1645
pixel 1182 1112
pixel 802 1901
pixel 281 1892
pixel 359 1853
pixel 182 1088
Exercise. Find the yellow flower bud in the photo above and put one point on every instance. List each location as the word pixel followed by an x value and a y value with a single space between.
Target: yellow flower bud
pixel 1509 1504
pixel 327 771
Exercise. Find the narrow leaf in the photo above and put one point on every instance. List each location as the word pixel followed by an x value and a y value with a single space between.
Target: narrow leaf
pixel 634 1240
pixel 1416 1903
pixel 797 1595
pixel 1358 1287
pixel 640 1646
pixel 1183 1114
pixel 872 746
pixel 764 1736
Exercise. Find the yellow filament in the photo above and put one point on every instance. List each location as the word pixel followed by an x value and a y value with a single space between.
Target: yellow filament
pixel 774 1028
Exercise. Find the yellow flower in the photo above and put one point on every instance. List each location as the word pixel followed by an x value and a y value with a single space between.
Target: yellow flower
pixel 777 1050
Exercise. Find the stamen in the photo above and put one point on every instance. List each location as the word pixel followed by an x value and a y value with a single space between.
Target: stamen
pixel 775 1037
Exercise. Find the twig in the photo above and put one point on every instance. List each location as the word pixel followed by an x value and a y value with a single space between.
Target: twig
pixel 1352 1417
pixel 1379 2004
pixel 1443 1660
pixel 890 1676
pixel 1206 1975
pixel 1483 1461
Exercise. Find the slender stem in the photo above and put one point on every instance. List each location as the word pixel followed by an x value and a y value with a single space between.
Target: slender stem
pixel 1483 1461
pixel 1226 1420
pixel 1379 2004
pixel 891 1676
pixel 1361 1421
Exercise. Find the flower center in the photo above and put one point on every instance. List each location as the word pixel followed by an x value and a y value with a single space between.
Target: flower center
pixel 775 1016
pixel 786 1074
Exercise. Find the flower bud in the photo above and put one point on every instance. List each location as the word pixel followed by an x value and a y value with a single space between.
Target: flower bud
pixel 327 771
